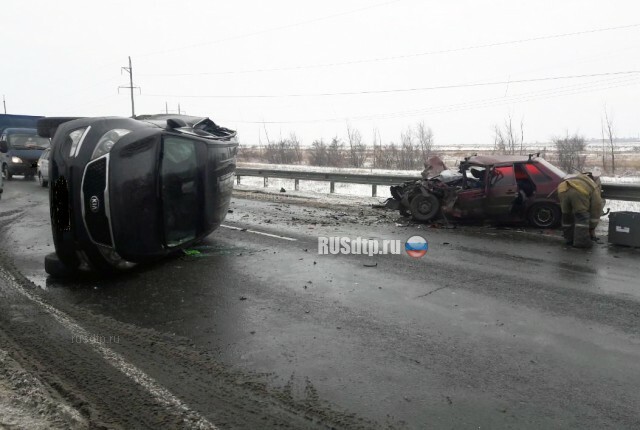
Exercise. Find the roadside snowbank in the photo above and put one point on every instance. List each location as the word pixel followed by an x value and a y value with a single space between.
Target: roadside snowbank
pixel 26 404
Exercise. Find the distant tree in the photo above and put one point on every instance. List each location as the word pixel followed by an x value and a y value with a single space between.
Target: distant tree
pixel 569 150
pixel 387 156
pixel 284 151
pixel 271 152
pixel 508 139
pixel 499 142
pixel 250 153
pixel 409 154
pixel 377 149
pixel 335 153
pixel 424 135
pixel 298 153
pixel 608 131
pixel 357 149
pixel 392 155
pixel 319 155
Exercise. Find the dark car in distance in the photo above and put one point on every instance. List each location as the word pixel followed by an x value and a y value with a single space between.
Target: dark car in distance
pixel 126 190
pixel 24 149
pixel 500 188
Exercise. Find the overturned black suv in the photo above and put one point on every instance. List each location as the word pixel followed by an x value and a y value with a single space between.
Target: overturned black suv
pixel 132 190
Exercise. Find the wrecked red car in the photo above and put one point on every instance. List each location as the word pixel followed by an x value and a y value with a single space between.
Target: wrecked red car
pixel 500 188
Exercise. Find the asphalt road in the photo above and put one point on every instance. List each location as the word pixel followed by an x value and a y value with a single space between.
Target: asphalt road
pixel 493 328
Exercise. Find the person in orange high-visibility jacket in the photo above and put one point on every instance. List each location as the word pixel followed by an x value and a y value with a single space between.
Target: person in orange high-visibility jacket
pixel 581 205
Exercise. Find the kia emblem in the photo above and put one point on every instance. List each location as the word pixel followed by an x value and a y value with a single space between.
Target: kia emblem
pixel 94 204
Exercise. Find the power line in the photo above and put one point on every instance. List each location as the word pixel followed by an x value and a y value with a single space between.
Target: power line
pixel 515 97
pixel 509 101
pixel 242 36
pixel 520 98
pixel 399 57
pixel 400 90
pixel 478 104
pixel 268 30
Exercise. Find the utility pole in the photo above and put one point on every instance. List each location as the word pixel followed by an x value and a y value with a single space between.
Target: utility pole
pixel 129 70
pixel 166 107
pixel 4 103
pixel 178 108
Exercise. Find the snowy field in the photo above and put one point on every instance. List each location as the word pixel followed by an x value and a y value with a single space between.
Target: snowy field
pixel 317 189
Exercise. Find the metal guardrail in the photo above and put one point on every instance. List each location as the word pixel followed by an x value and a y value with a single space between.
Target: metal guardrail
pixel 627 192
pixel 332 178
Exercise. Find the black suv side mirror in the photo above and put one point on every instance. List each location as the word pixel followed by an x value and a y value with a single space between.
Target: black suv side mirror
pixel 4 148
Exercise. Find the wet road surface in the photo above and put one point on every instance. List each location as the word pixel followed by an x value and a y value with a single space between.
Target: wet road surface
pixel 493 328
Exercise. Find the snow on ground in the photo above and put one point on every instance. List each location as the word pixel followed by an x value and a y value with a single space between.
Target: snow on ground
pixel 620 180
pixel 620 206
pixel 305 168
pixel 317 187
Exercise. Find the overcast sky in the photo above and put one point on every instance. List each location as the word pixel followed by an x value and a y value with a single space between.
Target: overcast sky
pixel 311 68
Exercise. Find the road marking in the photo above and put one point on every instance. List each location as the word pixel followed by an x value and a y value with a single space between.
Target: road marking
pixel 258 232
pixel 159 393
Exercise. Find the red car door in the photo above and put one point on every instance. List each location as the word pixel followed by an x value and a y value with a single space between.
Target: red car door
pixel 501 192
pixel 471 201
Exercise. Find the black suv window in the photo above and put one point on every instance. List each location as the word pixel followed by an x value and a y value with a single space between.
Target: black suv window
pixel 179 190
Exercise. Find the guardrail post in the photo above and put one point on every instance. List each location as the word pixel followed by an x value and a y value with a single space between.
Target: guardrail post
pixel 374 190
pixel 332 187
pixel 297 184
pixel 266 182
pixel 238 180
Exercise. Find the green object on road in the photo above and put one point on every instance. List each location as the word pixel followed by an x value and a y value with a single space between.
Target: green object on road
pixel 192 252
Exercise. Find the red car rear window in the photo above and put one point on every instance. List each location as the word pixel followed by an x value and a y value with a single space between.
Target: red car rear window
pixel 535 173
